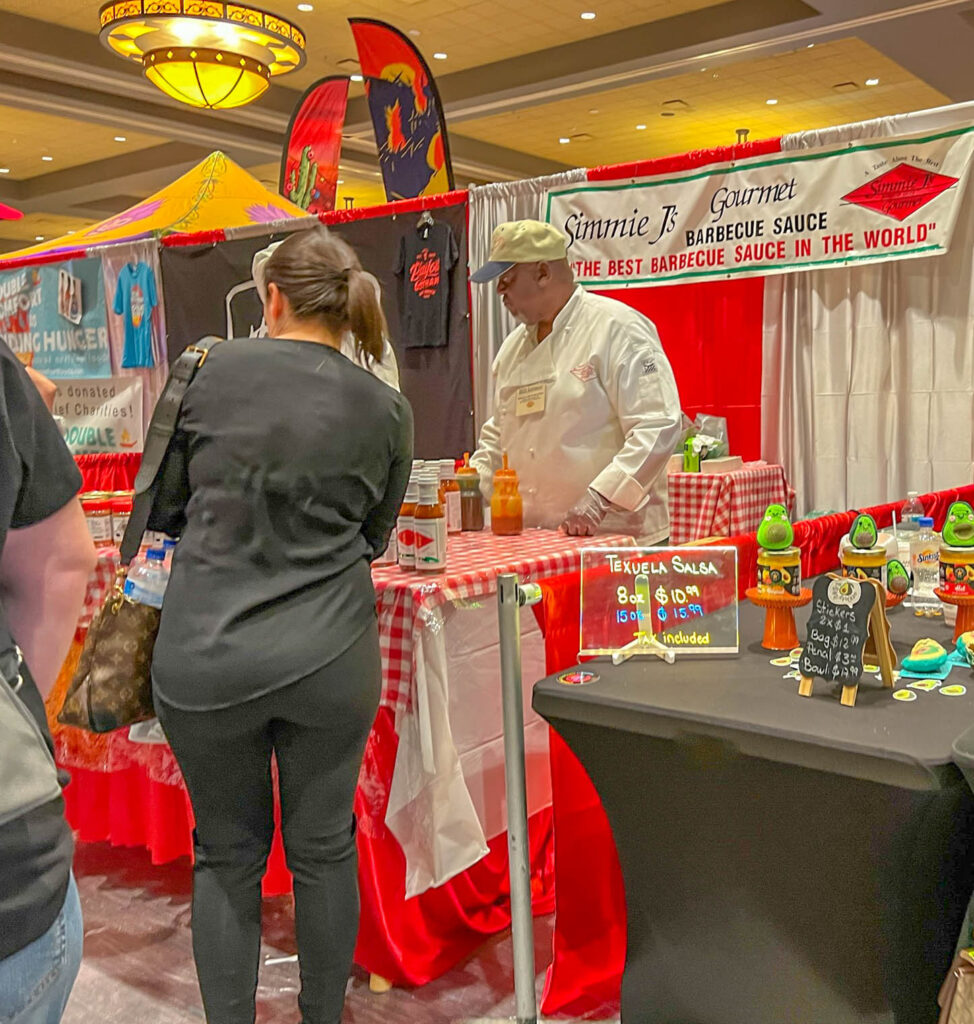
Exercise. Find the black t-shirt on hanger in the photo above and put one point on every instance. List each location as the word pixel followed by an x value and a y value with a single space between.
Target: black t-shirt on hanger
pixel 426 257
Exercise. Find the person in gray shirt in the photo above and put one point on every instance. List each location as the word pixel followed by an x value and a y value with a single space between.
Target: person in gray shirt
pixel 283 482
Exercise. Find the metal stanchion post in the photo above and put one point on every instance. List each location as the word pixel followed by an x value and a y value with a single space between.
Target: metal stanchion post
pixel 510 597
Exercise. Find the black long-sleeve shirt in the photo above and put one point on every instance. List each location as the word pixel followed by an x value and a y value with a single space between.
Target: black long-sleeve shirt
pixel 286 475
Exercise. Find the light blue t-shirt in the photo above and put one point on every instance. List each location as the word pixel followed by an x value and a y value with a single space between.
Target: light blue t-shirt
pixel 135 299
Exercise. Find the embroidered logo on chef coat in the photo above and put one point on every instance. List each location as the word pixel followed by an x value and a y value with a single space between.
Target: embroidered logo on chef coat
pixel 584 372
pixel 649 366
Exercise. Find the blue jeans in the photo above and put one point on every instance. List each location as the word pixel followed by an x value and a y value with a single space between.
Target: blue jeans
pixel 35 982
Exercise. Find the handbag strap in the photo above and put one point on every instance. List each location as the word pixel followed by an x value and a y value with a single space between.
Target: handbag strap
pixel 162 426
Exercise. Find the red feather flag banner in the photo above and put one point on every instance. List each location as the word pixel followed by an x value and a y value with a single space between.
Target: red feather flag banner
pixel 9 213
pixel 313 147
pixel 407 114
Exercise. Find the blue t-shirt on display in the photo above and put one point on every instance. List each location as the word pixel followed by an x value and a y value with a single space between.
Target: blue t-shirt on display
pixel 135 299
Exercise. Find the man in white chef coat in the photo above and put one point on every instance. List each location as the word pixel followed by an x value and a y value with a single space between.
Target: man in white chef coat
pixel 585 403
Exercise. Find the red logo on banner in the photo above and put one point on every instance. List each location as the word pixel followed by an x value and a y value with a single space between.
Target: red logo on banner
pixel 425 273
pixel 900 191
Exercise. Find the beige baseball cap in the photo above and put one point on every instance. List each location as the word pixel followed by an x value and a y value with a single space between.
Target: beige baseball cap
pixel 521 241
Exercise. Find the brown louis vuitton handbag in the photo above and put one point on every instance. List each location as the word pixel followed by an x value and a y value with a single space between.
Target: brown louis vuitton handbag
pixel 956 997
pixel 112 687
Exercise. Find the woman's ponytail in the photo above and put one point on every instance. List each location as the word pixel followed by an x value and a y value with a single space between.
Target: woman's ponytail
pixel 365 318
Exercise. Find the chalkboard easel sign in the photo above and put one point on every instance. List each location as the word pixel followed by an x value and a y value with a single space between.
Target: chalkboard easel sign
pixel 843 610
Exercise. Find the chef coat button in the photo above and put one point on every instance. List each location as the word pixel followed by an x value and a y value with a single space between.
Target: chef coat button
pixel 531 452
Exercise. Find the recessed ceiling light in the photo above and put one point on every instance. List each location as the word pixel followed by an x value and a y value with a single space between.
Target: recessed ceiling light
pixel 771 103
pixel 564 141
pixel 667 113
pixel 872 81
pixel 4 170
pixel 810 45
pixel 341 181
pixel 304 8
pixel 640 127
pixel 120 138
pixel 47 159
pixel 593 110
pixel 357 78
pixel 415 32
pixel 439 56
pixel 587 15
pixel 38 238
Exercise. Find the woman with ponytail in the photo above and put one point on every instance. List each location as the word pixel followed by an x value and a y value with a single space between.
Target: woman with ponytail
pixel 283 483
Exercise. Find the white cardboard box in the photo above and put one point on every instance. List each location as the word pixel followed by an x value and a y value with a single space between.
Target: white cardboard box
pixel 727 464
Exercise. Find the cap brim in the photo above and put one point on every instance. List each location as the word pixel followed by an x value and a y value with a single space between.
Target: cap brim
pixel 489 271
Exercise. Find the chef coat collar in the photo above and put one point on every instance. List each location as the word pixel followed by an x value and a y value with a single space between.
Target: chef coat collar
pixel 564 315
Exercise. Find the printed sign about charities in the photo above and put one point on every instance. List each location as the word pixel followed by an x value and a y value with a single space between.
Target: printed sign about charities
pixel 685 598
pixel 53 317
pixel 879 200
pixel 101 415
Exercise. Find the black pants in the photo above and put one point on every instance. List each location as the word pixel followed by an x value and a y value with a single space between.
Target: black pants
pixel 317 728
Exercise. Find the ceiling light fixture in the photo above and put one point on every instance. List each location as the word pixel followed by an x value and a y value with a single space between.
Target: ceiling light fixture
pixel 872 81
pixel 341 181
pixel 771 103
pixel 38 238
pixel 640 127
pixel 810 45
pixel 306 8
pixel 4 170
pixel 439 56
pixel 415 32
pixel 564 140
pixel 356 78
pixel 205 53
pixel 587 15
pixel 47 159
pixel 120 138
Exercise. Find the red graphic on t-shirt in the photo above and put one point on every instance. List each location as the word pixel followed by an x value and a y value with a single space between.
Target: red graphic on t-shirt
pixel 424 274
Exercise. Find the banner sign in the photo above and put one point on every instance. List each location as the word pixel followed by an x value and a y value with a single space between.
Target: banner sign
pixel 879 200
pixel 684 598
pixel 313 147
pixel 407 115
pixel 54 318
pixel 101 415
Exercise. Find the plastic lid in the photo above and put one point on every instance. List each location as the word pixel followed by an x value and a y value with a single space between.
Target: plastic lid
pixel 412 492
pixel 168 543
pixel 156 554
pixel 448 469
pixel 429 490
pixel 913 494
pixel 466 469
pixel 506 473
pixel 925 521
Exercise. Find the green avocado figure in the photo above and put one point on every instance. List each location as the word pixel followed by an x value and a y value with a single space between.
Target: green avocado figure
pixel 863 534
pixel 775 532
pixel 959 526
pixel 897 578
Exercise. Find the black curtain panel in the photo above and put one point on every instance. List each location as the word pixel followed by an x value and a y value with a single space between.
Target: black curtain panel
pixel 208 289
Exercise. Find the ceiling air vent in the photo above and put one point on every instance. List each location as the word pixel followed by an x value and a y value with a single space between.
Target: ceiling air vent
pixel 845 87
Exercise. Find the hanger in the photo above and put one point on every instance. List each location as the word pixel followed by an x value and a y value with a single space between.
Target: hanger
pixel 425 218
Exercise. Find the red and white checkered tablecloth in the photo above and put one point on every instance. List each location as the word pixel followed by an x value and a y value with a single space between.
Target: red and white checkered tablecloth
pixel 99 583
pixel 724 504
pixel 406 599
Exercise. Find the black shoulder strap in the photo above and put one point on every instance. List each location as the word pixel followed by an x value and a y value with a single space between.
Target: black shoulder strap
pixel 157 438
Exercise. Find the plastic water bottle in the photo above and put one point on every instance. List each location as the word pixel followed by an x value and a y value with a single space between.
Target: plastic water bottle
pixel 146 582
pixel 909 524
pixel 925 564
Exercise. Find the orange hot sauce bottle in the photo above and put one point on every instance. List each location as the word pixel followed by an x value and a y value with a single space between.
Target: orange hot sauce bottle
pixel 506 508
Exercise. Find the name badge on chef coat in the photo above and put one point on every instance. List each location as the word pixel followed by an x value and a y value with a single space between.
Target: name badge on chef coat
pixel 530 398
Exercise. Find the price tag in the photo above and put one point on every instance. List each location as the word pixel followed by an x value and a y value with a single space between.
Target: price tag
pixel 531 398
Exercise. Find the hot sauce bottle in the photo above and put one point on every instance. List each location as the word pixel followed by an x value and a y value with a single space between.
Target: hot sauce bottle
pixel 429 528
pixel 404 527
pixel 471 500
pixel 450 495
pixel 506 509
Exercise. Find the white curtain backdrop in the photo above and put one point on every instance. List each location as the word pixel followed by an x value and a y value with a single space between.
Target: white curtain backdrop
pixel 868 379
pixel 490 322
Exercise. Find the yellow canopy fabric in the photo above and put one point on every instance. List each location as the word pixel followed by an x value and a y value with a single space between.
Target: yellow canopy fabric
pixel 215 195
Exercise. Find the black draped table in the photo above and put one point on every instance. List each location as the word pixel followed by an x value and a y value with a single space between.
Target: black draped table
pixel 786 860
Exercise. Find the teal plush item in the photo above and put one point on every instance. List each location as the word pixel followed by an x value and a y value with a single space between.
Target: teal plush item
pixel 965 648
pixel 926 655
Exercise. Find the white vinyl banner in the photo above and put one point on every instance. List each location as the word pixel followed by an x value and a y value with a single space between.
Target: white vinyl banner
pixel 877 200
pixel 102 415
